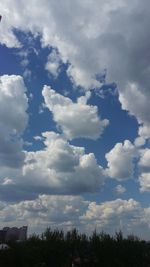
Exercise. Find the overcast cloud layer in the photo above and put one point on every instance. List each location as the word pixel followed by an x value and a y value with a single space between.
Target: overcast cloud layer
pixel 100 43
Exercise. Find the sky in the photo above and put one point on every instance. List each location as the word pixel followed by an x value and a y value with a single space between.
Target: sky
pixel 75 115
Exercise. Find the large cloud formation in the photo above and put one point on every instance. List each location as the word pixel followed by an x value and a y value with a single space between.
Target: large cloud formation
pixel 58 168
pixel 62 168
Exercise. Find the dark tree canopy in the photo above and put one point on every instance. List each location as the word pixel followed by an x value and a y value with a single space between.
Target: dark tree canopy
pixel 59 249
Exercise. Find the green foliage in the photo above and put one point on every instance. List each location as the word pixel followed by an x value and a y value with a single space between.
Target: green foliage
pixel 59 249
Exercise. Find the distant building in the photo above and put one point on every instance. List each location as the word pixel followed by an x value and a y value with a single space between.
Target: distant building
pixel 13 234
pixel 23 233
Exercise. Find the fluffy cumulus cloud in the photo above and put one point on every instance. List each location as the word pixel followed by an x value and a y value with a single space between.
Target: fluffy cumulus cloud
pixel 144 181
pixel 53 64
pixel 58 168
pixel 62 211
pixel 75 119
pixel 141 108
pixel 144 134
pixel 13 119
pixel 62 167
pixel 121 161
pixel 112 216
pixel 137 103
pixel 75 211
pixel 120 189
pixel 144 162
pixel 144 167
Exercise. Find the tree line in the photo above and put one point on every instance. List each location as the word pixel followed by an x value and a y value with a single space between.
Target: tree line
pixel 54 248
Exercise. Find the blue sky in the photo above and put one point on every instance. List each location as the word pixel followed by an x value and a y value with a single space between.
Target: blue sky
pixel 74 116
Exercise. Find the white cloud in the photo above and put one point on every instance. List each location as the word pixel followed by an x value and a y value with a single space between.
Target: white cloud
pixel 136 102
pixel 144 162
pixel 53 63
pixel 144 134
pixel 144 181
pixel 105 210
pixel 27 73
pixel 120 161
pixel 144 131
pixel 58 168
pixel 139 141
pixel 119 214
pixel 13 119
pixel 44 211
pixel 62 168
pixel 7 37
pixel 144 167
pixel 120 189
pixel 13 96
pixel 147 216
pixel 75 119
pixel 63 157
